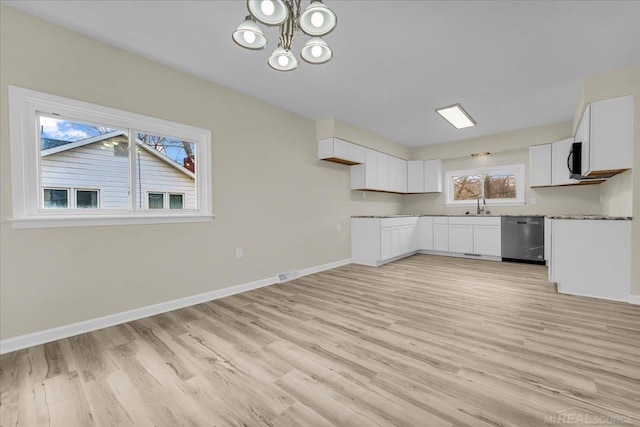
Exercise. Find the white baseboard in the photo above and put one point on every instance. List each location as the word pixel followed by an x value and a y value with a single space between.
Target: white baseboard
pixel 634 299
pixel 42 337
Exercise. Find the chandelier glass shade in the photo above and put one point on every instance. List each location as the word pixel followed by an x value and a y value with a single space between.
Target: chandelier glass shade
pixel 317 20
pixel 249 35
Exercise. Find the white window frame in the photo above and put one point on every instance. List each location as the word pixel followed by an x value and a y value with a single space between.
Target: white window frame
pixel 175 193
pixel 69 196
pixel 166 202
pixel 75 197
pixel 25 105
pixel 517 169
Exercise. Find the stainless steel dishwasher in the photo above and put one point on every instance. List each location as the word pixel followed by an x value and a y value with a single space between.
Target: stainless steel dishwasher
pixel 523 239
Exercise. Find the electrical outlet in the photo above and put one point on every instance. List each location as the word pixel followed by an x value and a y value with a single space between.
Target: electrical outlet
pixel 239 253
pixel 533 200
pixel 339 227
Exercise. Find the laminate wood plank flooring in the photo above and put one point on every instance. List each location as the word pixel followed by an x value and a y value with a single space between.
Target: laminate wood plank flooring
pixel 424 341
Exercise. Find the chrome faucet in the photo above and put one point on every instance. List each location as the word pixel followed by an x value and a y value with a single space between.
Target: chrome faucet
pixel 481 210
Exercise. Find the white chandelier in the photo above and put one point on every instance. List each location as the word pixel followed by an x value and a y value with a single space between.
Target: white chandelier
pixel 317 20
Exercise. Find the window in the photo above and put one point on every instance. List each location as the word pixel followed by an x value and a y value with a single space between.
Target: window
pixel 87 199
pixel 156 200
pixel 176 201
pixel 502 185
pixel 56 198
pixel 82 164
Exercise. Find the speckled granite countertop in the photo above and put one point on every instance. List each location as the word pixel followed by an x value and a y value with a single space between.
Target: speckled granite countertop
pixel 579 217
pixel 592 217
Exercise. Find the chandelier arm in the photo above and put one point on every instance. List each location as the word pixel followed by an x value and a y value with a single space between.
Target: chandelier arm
pixel 286 33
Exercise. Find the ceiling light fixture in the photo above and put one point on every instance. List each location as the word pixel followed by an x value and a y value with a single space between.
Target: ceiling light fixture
pixel 484 153
pixel 456 115
pixel 317 20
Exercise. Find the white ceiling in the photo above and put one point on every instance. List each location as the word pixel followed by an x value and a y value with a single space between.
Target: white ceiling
pixel 511 64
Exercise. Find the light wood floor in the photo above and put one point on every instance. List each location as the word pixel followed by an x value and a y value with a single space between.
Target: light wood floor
pixel 425 341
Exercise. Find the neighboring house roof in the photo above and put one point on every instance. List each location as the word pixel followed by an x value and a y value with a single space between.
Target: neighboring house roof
pixel 54 146
pixel 48 143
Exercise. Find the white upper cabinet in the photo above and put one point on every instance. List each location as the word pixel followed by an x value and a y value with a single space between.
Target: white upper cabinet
pixel 415 176
pixel 365 176
pixel 383 172
pixel 433 176
pixel 540 165
pixel 559 163
pixel 424 176
pixel 398 169
pixel 606 133
pixel 340 151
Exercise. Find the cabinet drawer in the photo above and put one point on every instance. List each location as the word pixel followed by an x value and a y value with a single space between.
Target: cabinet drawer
pixel 475 220
pixel 441 220
pixel 393 222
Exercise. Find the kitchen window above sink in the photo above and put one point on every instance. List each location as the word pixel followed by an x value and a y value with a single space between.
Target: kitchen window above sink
pixel 501 185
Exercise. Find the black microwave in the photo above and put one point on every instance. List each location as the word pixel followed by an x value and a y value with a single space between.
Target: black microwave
pixel 574 164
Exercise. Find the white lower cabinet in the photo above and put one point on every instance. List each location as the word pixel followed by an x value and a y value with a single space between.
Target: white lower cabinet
pixel 461 238
pixel 441 234
pixel 385 242
pixel 425 233
pixel 487 240
pixel 591 258
pixel 375 241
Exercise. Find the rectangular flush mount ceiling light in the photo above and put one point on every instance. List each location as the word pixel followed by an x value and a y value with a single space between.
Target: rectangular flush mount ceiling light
pixel 455 115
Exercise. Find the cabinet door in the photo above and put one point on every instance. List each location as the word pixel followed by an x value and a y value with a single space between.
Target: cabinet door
pixel 415 176
pixel 584 135
pixel 340 149
pixel 356 153
pixel 540 165
pixel 414 238
pixel 382 172
pixel 559 156
pixel 611 136
pixel 401 175
pixel 461 238
pixel 425 226
pixel 385 243
pixel 433 176
pixel 441 237
pixel 405 240
pixel 396 241
pixel 487 240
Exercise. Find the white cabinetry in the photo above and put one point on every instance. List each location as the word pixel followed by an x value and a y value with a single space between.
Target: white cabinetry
pixel 424 176
pixel 475 235
pixel 380 172
pixel 433 176
pixel 487 240
pixel 425 231
pixel 375 241
pixel 592 258
pixel 340 151
pixel 441 234
pixel 415 176
pixel 606 133
pixel 559 157
pixel 398 169
pixel 540 165
pixel 461 238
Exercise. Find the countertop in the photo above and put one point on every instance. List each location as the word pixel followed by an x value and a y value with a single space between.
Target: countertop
pixel 575 217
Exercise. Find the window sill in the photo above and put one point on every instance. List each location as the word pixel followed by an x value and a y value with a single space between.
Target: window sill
pixel 96 221
pixel 451 205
